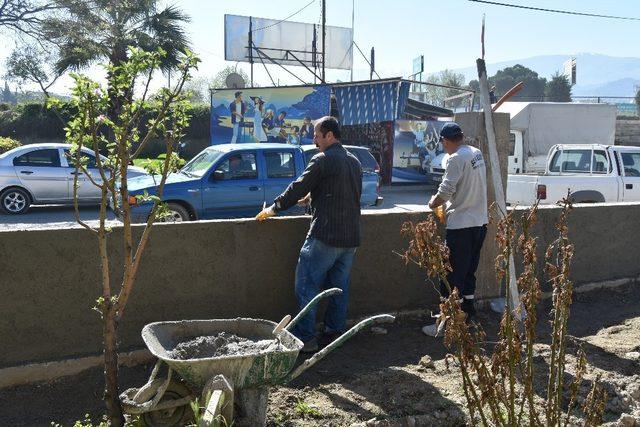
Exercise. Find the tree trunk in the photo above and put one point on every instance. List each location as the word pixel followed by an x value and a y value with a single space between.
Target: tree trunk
pixel 114 409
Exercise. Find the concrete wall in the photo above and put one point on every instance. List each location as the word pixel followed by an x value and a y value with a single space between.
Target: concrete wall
pixel 628 132
pixel 213 269
pixel 224 269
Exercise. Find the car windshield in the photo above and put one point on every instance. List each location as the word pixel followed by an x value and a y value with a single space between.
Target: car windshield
pixel 201 163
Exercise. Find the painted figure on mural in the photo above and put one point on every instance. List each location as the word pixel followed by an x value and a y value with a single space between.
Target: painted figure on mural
pixel 306 132
pixel 267 122
pixel 258 131
pixel 279 130
pixel 421 147
pixel 294 137
pixel 237 108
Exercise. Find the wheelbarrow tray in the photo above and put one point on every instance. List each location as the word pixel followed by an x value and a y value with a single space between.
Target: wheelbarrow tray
pixel 265 368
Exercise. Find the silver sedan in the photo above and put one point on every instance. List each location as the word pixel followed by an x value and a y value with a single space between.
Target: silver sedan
pixel 39 174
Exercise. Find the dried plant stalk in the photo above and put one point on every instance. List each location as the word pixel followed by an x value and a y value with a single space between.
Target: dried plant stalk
pixel 500 390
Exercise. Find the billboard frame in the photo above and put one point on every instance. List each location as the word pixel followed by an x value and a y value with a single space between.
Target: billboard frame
pixel 312 60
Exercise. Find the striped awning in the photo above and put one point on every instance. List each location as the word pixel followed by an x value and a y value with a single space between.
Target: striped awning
pixel 373 102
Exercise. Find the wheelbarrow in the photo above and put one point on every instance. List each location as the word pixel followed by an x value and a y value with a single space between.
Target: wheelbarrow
pixel 234 388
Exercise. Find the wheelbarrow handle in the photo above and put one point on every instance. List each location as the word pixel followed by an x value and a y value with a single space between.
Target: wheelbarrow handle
pixel 309 306
pixel 381 318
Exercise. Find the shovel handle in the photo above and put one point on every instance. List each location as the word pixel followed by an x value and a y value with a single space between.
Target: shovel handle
pixel 314 301
pixel 283 323
pixel 381 318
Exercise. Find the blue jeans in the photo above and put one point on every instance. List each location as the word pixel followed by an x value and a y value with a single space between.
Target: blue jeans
pixel 320 267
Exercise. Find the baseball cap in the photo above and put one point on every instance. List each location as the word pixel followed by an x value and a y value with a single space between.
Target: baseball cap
pixel 450 130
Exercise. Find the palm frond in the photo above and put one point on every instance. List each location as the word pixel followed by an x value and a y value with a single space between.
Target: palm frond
pixel 78 54
pixel 166 32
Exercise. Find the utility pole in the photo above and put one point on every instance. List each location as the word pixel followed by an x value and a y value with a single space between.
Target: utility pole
pixel 353 8
pixel 251 48
pixel 324 36
pixel 314 52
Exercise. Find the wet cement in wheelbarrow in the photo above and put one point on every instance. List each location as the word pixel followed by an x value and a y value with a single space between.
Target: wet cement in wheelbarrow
pixel 222 344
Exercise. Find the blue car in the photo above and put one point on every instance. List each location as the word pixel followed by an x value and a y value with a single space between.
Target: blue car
pixel 234 181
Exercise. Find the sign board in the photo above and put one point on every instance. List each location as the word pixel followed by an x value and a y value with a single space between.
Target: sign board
pixel 418 65
pixel 284 41
pixel 276 114
pixel 569 68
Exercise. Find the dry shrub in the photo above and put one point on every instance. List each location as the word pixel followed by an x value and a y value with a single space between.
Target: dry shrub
pixel 500 389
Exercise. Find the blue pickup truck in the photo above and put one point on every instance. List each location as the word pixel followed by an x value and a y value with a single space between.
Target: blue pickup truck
pixel 235 180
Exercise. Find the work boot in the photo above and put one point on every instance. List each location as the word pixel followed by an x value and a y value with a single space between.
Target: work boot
pixel 469 307
pixel 310 346
pixel 435 330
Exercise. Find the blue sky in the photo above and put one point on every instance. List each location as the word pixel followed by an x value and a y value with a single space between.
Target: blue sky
pixel 446 32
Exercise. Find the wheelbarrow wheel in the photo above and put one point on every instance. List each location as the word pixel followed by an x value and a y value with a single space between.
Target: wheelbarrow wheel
pixel 170 417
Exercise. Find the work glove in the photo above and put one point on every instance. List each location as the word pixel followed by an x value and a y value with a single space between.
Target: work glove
pixel 266 213
pixel 304 202
pixel 439 211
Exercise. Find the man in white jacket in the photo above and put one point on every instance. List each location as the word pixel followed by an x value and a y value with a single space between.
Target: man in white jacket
pixel 463 192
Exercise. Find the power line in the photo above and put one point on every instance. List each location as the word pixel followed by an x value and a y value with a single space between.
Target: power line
pixel 566 12
pixel 290 16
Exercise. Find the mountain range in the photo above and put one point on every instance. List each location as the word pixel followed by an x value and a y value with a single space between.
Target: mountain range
pixel 596 74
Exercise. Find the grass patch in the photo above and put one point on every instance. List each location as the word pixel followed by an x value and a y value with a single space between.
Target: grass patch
pixel 303 409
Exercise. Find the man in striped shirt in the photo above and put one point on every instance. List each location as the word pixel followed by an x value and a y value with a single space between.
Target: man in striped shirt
pixel 332 183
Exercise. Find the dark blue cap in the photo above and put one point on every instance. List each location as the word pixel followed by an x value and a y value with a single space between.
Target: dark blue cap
pixel 450 130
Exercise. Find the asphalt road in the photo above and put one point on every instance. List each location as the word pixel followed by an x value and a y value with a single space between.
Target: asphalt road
pixel 396 199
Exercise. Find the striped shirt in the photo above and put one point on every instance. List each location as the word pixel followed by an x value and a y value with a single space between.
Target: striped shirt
pixel 334 179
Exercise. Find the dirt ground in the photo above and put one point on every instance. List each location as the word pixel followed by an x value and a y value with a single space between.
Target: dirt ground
pixel 378 380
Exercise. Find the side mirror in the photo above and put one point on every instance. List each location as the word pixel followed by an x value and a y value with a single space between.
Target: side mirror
pixel 218 175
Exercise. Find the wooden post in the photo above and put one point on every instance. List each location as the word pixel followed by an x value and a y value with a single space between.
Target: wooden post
pixel 219 408
pixel 496 173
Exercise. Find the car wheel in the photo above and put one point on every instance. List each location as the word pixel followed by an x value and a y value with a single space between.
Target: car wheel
pixel 15 201
pixel 177 213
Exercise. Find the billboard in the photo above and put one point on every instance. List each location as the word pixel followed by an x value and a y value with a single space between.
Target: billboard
pixel 569 68
pixel 276 114
pixel 284 41
pixel 416 148
pixel 418 65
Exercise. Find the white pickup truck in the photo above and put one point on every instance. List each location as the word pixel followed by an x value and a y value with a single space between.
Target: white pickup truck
pixel 593 173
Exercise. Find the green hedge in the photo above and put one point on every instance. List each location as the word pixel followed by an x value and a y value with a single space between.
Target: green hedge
pixel 33 120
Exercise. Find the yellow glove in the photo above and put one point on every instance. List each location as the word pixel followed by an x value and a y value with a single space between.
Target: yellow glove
pixel 440 214
pixel 266 213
